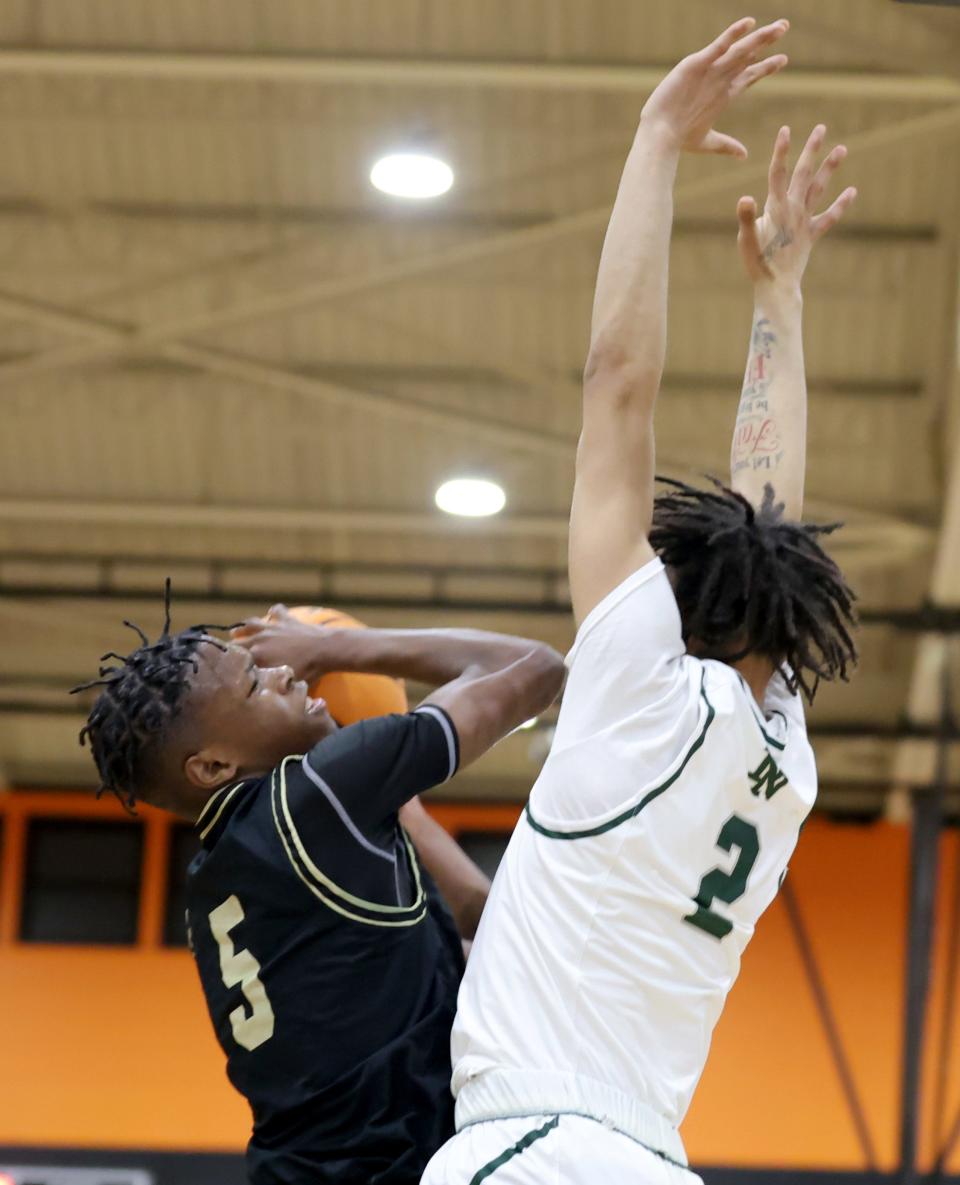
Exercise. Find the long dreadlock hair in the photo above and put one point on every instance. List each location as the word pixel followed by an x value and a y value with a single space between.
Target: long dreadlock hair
pixel 747 581
pixel 141 698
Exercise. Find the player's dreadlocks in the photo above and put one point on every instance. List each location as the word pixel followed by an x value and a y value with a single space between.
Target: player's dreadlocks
pixel 749 582
pixel 141 698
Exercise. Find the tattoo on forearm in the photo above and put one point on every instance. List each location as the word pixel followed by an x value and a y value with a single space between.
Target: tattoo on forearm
pixel 756 438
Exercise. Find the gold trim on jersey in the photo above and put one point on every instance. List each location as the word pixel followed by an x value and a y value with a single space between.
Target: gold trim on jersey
pixel 327 890
pixel 220 809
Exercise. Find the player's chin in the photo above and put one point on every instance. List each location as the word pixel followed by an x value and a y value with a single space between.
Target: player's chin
pixel 320 722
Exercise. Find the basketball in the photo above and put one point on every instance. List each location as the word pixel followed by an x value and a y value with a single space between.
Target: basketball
pixel 352 696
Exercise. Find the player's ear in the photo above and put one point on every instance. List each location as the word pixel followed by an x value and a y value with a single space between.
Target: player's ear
pixel 209 768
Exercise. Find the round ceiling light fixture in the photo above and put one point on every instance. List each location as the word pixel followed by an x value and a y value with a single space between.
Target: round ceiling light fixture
pixel 471 497
pixel 411 175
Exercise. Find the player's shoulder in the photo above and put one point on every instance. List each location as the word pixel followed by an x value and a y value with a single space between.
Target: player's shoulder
pixel 381 739
pixel 647 586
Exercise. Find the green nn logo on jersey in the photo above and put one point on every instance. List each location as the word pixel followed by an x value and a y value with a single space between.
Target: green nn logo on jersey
pixel 767 778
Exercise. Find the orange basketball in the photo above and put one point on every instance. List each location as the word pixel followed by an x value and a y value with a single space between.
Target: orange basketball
pixel 351 696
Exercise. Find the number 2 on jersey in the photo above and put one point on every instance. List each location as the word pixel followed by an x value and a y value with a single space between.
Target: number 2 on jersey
pixel 726 886
pixel 239 967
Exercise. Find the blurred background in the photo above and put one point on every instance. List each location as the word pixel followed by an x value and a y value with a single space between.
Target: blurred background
pixel 228 357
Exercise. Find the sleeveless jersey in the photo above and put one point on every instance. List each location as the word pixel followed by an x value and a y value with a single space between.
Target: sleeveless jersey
pixel 657 834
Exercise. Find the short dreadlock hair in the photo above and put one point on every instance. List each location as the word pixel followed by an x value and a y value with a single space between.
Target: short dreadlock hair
pixel 141 698
pixel 747 581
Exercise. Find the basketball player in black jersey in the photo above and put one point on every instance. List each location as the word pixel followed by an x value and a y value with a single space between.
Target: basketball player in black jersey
pixel 328 958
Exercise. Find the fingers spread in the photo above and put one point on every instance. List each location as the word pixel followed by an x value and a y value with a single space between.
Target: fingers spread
pixel 716 49
pixel 747 217
pixel 828 220
pixel 747 49
pixel 824 175
pixel 778 176
pixel 759 70
pixel 747 239
pixel 803 173
pixel 723 145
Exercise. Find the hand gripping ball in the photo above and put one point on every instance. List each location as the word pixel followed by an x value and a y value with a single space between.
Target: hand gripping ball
pixel 352 696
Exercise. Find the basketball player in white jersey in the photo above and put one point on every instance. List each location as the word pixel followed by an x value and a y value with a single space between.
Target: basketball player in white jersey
pixel 661 826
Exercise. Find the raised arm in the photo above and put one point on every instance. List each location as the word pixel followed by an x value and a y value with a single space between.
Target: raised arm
pixel 613 494
pixel 769 439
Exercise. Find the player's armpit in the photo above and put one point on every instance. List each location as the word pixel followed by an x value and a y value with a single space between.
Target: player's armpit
pixel 484 706
pixel 613 492
pixel 463 886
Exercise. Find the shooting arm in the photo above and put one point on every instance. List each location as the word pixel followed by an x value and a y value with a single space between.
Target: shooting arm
pixel 487 683
pixel 491 683
pixel 463 886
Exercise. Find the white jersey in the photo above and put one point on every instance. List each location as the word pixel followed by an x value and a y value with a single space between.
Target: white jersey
pixel 657 834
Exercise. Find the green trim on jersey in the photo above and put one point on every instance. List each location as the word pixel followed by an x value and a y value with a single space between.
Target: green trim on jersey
pixel 492 1165
pixel 759 718
pixel 520 1146
pixel 631 812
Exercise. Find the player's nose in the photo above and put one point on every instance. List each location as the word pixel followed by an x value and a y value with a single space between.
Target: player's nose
pixel 283 678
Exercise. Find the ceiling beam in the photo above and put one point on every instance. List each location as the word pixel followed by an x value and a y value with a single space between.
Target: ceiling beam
pixel 890 537
pixel 884 43
pixel 449 73
pixel 363 377
pixel 253 518
pixel 247 216
pixel 280 378
pixel 95 344
pixel 103 339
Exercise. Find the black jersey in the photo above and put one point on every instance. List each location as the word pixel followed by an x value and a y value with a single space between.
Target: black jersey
pixel 329 963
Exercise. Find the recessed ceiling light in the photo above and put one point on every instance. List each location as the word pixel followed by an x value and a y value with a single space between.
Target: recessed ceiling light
pixel 411 175
pixel 472 497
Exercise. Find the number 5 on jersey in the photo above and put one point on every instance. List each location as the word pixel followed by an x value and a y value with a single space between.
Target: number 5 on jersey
pixel 239 967
pixel 726 886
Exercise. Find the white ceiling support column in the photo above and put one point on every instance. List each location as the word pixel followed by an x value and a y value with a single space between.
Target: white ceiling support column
pixel 916 760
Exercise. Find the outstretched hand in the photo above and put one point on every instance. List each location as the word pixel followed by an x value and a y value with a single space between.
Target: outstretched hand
pixel 687 103
pixel 777 244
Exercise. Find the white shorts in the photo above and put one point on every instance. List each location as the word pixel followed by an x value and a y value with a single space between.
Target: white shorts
pixel 550 1150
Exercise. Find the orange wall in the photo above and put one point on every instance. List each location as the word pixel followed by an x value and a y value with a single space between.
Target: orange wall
pixel 111 1048
pixel 106 1047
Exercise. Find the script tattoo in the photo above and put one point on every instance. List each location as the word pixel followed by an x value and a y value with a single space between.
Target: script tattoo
pixel 783 238
pixel 756 438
